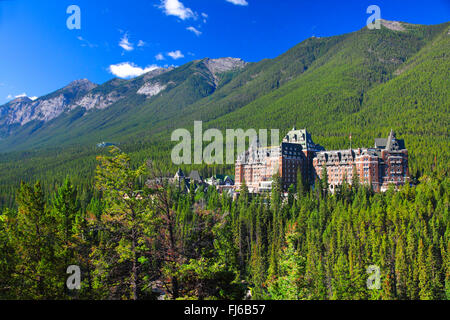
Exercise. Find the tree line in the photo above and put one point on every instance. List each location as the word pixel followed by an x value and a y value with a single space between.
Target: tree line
pixel 141 240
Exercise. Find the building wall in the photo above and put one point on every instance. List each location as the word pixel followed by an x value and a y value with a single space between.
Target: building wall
pixel 292 160
pixel 287 164
pixel 256 170
pixel 339 165
pixel 379 167
pixel 367 167
pixel 377 171
pixel 395 169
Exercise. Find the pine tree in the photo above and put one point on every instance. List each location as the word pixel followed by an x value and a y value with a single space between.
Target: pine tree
pixel 8 257
pixel 342 279
pixel 425 292
pixel 35 241
pixel 324 182
pixel 126 225
pixel 355 180
pixel 290 284
pixel 65 210
pixel 401 270
pixel 277 189
pixel 302 187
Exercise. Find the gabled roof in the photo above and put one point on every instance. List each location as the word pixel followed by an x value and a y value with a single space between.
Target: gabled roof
pixel 391 143
pixel 303 138
pixel 380 143
pixel 195 176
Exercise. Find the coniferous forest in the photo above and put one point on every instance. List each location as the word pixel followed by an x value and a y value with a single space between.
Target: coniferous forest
pixel 135 239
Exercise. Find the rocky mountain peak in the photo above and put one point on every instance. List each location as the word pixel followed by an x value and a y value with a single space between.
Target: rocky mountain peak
pixel 20 100
pixel 393 25
pixel 156 72
pixel 83 84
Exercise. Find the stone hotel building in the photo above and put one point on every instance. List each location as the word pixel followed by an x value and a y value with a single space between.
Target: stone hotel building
pixel 383 165
pixel 258 164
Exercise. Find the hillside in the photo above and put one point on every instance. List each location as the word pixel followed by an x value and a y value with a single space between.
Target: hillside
pixel 367 84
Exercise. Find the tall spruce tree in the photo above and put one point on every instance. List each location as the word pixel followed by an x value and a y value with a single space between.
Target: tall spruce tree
pixel 123 259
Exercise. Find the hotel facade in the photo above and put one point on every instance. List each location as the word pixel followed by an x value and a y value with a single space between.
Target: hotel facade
pixel 381 166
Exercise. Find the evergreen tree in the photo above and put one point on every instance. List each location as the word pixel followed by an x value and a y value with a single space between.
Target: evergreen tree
pixel 36 246
pixel 355 179
pixel 425 292
pixel 126 224
pixel 324 182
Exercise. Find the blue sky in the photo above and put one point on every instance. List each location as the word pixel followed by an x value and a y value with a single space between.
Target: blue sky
pixel 39 54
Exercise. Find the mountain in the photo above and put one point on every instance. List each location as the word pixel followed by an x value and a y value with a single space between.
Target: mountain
pixel 23 110
pixel 161 92
pixel 365 82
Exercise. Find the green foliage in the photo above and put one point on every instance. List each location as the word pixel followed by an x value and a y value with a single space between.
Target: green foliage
pixel 137 238
pixel 121 261
pixel 365 82
pixel 290 283
pixel 131 239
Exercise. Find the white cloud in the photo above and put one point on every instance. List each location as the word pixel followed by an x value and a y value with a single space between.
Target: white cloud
pixel 141 43
pixel 128 70
pixel 176 54
pixel 125 43
pixel 23 95
pixel 238 2
pixel 205 17
pixel 176 8
pixel 192 29
pixel 159 57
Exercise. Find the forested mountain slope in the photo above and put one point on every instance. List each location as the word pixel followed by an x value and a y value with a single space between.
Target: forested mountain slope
pixel 369 83
pixel 121 107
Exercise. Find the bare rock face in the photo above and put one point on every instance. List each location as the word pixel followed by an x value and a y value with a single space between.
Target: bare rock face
pixel 47 110
pixel 24 110
pixel 79 93
pixel 82 85
pixel 221 65
pixel 83 93
pixel 393 25
pixel 152 88
pixel 156 72
pixel 14 110
pixel 97 100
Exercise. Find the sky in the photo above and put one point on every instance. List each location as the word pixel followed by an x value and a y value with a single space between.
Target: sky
pixel 39 53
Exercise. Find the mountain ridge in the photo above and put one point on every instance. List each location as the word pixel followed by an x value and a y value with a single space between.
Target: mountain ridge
pixel 23 110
